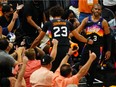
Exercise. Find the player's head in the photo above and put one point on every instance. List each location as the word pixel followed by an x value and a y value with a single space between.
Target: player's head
pixel 56 11
pixel 96 10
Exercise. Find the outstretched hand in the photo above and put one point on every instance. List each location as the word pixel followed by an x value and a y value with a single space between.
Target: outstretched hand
pixel 71 51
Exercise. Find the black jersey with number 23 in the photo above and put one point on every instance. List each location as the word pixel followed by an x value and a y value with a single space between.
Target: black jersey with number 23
pixel 59 29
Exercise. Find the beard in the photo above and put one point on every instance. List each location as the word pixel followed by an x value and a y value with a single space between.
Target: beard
pixel 96 14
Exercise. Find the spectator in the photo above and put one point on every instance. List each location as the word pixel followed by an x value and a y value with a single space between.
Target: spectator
pixel 112 22
pixel 43 76
pixel 111 4
pixel 33 17
pixel 7 61
pixel 96 28
pixel 12 81
pixel 70 16
pixel 20 82
pixel 31 65
pixel 7 21
pixel 63 75
pixel 85 7
pixel 59 29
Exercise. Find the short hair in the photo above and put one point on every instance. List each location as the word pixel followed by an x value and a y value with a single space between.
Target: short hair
pixel 46 59
pixel 3 44
pixel 30 53
pixel 6 8
pixel 96 5
pixel 56 11
pixel 65 70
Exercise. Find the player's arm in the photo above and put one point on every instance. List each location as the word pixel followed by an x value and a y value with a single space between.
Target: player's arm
pixel 38 39
pixel 81 38
pixel 82 25
pixel 32 23
pixel 78 30
pixel 106 27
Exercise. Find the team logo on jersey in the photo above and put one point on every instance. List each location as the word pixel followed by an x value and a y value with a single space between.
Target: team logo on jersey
pixel 94 29
pixel 99 23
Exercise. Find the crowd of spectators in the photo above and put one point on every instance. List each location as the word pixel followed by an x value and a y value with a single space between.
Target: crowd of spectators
pixel 36 38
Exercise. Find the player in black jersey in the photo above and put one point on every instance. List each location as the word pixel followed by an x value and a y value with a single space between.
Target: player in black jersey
pixel 59 29
pixel 95 28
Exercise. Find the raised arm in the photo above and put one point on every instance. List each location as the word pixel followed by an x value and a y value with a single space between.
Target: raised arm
pixel 20 51
pixel 11 25
pixel 54 49
pixel 85 68
pixel 65 59
pixel 19 81
pixel 40 51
